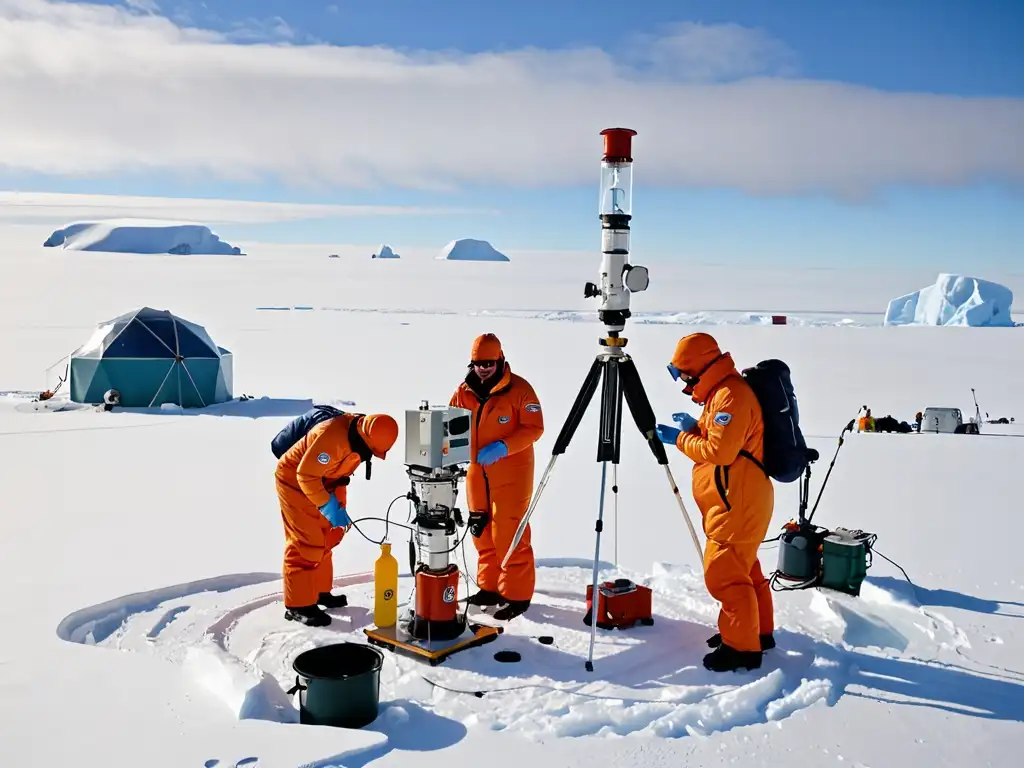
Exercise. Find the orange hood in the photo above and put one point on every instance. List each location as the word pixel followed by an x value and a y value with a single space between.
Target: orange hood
pixel 695 352
pixel 698 355
pixel 379 431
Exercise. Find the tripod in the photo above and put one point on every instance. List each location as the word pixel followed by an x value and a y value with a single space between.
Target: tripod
pixel 617 373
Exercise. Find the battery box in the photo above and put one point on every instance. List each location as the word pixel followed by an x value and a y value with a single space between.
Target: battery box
pixel 621 604
pixel 845 559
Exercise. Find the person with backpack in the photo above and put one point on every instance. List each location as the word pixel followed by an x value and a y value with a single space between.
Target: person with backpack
pixel 734 493
pixel 317 454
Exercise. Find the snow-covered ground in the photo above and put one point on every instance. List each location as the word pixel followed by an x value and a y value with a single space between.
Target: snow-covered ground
pixel 140 551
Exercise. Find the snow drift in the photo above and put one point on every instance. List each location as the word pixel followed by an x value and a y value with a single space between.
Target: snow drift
pixel 385 253
pixel 468 249
pixel 954 300
pixel 140 236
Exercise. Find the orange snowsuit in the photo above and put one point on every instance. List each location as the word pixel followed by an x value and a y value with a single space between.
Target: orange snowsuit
pixel 510 411
pixel 866 423
pixel 735 497
pixel 318 465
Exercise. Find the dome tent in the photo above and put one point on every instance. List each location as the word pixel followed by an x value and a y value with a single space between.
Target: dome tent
pixel 151 357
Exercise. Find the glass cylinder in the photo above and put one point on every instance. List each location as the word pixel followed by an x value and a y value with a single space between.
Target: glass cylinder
pixel 616 189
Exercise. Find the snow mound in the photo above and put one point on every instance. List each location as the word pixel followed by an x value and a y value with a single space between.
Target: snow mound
pixel 954 300
pixel 385 253
pixel 468 249
pixel 140 236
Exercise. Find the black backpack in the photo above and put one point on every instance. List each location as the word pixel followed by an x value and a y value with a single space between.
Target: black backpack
pixel 785 450
pixel 299 427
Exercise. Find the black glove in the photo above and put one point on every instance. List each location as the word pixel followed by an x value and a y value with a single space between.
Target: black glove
pixel 477 523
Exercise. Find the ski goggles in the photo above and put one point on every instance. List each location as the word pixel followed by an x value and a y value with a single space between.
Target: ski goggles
pixel 676 375
pixel 690 381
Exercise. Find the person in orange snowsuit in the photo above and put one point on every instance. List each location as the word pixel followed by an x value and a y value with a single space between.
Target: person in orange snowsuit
pixel 507 421
pixel 735 497
pixel 312 487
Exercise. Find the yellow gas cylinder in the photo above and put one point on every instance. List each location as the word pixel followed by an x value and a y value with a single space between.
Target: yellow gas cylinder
pixel 385 586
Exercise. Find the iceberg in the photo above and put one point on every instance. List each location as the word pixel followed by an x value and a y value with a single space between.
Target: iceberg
pixel 954 300
pixel 140 236
pixel 468 249
pixel 385 253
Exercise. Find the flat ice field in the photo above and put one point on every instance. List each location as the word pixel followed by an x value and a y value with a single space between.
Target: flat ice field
pixel 140 551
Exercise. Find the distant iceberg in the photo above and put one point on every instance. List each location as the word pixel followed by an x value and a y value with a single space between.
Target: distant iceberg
pixel 385 252
pixel 468 249
pixel 954 300
pixel 140 236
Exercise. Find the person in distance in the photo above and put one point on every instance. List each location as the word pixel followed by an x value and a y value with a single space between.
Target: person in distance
pixel 507 421
pixel 312 479
pixel 735 497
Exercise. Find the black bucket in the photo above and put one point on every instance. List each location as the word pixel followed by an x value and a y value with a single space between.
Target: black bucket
pixel 338 685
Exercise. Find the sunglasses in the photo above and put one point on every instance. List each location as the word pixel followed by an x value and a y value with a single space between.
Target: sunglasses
pixel 484 363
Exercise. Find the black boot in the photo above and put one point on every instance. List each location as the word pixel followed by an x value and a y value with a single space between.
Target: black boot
pixel 511 609
pixel 327 600
pixel 484 598
pixel 310 615
pixel 727 659
pixel 767 641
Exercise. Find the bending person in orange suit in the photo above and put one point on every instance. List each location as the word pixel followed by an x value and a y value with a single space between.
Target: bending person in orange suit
pixel 735 497
pixel 312 487
pixel 507 421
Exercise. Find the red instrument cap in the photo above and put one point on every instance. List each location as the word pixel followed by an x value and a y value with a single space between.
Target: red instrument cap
pixel 618 144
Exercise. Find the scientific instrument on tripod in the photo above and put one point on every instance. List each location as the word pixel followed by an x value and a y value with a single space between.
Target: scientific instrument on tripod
pixel 437 453
pixel 612 367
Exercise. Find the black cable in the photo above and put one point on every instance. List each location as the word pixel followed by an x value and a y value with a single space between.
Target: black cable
pixel 847 428
pixel 383 520
pixel 577 691
pixel 407 527
pixel 386 519
pixel 893 562
pixel 465 564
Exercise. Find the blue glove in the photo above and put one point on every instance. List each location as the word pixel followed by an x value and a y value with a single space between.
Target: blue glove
pixel 491 452
pixel 685 421
pixel 667 434
pixel 336 514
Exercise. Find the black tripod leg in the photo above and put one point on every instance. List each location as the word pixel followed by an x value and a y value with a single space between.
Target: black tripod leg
pixel 579 407
pixel 640 408
pixel 572 423
pixel 608 448
pixel 643 414
pixel 609 437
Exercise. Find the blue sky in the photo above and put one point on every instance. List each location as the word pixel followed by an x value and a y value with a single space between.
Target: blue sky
pixel 714 197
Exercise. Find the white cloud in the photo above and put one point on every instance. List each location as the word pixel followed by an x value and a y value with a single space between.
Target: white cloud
pixel 61 207
pixel 100 90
